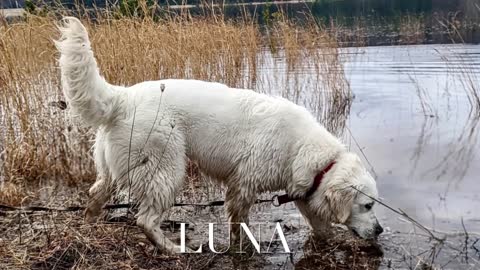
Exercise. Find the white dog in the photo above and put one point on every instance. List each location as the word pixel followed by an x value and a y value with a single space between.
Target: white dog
pixel 250 142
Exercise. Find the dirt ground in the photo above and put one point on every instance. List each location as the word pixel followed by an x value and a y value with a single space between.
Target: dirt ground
pixel 61 240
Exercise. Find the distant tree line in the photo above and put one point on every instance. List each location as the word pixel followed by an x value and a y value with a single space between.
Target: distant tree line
pixel 322 8
pixel 352 7
pixel 12 3
pixel 355 8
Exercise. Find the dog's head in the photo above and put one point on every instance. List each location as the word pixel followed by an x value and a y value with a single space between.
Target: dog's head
pixel 341 198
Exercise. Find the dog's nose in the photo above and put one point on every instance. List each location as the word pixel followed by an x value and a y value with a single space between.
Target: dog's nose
pixel 378 229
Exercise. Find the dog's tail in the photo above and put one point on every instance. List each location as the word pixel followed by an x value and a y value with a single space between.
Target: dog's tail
pixel 88 94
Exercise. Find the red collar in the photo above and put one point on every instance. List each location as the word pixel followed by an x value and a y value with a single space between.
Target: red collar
pixel 316 183
pixel 318 180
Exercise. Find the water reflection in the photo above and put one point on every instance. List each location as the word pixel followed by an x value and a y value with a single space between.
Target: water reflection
pixel 415 118
pixel 419 151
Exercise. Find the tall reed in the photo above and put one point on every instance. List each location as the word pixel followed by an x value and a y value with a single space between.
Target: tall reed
pixel 40 141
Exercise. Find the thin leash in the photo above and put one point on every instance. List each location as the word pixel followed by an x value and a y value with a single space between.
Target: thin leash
pixel 276 200
pixel 74 208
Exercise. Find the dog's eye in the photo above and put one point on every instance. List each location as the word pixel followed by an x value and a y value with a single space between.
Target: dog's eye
pixel 369 206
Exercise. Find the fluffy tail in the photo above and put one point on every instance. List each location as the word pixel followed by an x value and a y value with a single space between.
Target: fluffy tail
pixel 88 94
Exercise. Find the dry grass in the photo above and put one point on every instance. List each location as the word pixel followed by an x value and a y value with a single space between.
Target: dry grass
pixel 412 30
pixel 12 194
pixel 41 142
pixel 340 251
pixel 62 241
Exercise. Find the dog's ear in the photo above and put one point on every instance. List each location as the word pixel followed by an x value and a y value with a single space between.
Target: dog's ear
pixel 338 202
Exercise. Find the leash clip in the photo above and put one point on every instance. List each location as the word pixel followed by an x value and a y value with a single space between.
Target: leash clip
pixel 275 201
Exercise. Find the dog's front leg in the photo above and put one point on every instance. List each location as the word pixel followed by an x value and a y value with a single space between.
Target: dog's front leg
pixel 237 207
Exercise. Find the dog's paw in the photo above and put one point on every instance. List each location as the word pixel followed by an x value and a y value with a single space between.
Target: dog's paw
pixel 187 250
pixel 90 216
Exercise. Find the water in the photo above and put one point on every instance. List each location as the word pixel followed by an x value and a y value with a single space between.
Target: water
pixel 425 157
pixel 412 121
pixel 424 160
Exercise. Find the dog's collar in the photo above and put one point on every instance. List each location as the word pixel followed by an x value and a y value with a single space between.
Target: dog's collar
pixel 285 198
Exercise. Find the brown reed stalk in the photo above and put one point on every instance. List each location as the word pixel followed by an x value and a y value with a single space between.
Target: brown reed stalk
pixel 40 141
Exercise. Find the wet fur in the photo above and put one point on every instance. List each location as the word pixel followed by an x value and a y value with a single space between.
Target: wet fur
pixel 250 142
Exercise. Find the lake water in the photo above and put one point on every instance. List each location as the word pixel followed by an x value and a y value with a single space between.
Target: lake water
pixel 412 119
pixel 425 161
pixel 425 157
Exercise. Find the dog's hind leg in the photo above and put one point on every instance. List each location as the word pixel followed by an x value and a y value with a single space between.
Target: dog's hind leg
pixel 100 193
pixel 101 190
pixel 160 181
pixel 150 221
